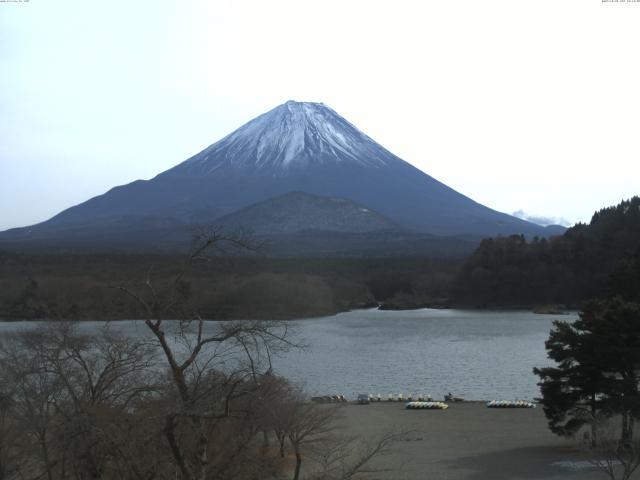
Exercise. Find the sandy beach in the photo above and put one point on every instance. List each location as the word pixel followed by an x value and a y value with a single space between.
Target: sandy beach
pixel 469 441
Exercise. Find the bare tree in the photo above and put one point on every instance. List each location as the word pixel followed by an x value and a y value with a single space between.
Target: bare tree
pixel 314 433
pixel 72 393
pixel 342 458
pixel 11 436
pixel 36 391
pixel 211 364
pixel 309 423
pixel 104 376
pixel 278 400
pixel 615 457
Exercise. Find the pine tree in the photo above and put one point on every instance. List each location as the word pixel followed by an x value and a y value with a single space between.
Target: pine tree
pixel 598 371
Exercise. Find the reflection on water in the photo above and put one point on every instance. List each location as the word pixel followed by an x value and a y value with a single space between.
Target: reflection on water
pixel 474 354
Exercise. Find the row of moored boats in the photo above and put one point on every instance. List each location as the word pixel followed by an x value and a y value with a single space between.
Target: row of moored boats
pixel 400 398
pixel 491 404
pixel 510 404
pixel 427 405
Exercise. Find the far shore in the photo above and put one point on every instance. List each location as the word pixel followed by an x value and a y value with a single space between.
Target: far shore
pixel 381 307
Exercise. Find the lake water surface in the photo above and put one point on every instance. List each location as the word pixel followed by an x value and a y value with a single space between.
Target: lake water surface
pixel 474 354
pixel 478 355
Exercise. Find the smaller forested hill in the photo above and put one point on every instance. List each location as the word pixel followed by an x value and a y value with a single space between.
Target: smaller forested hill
pixel 568 269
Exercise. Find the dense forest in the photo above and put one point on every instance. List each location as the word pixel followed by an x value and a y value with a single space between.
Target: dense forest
pixel 86 286
pixel 565 270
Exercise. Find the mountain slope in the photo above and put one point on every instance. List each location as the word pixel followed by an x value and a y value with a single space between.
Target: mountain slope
pixel 304 147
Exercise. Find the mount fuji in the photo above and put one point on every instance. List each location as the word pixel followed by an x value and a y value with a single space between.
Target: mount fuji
pixel 296 147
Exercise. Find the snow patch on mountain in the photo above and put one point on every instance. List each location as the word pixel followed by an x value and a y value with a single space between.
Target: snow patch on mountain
pixel 291 135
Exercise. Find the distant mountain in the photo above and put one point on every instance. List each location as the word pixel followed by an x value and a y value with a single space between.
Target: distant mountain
pixel 297 211
pixel 296 147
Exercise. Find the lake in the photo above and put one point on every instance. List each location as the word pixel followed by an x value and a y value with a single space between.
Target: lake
pixel 478 355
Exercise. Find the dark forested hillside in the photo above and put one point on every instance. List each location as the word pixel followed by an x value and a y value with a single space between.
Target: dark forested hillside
pixel 511 271
pixel 82 286
pixel 587 261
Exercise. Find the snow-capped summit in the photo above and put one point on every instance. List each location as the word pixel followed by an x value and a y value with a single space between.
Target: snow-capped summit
pixel 292 135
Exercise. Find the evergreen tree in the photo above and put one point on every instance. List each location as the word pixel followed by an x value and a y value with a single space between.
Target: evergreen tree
pixel 625 280
pixel 598 371
pixel 615 324
pixel 571 392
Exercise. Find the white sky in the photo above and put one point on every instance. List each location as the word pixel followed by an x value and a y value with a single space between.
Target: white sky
pixel 518 104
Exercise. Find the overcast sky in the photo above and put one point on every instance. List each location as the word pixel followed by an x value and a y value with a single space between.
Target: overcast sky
pixel 529 106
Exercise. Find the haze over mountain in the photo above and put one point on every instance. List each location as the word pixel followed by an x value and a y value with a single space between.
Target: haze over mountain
pixel 296 147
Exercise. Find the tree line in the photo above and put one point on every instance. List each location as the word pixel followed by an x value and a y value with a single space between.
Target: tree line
pixel 594 387
pixel 77 287
pixel 568 269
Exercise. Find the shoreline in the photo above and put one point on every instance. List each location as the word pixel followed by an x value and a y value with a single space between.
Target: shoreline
pixel 462 308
